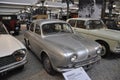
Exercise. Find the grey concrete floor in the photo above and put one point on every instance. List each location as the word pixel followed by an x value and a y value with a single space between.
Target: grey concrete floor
pixel 107 69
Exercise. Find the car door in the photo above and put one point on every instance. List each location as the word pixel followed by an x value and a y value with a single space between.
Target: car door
pixel 30 36
pixel 78 26
pixel 83 29
pixel 38 41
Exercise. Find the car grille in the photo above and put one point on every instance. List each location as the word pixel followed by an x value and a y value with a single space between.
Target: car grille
pixel 7 60
pixel 88 61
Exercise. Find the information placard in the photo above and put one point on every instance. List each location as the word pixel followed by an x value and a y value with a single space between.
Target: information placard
pixel 76 74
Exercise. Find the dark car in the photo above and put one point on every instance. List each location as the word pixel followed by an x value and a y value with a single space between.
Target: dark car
pixel 112 24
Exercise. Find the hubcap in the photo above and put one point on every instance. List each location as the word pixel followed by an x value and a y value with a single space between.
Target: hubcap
pixel 103 51
pixel 47 65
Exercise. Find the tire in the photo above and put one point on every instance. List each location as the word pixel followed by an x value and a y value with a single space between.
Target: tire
pixel 47 65
pixel 105 49
pixel 27 44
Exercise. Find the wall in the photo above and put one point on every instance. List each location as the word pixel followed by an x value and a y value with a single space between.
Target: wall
pixel 90 8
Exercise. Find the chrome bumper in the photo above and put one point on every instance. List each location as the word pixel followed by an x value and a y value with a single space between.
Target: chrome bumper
pixel 116 51
pixel 85 64
pixel 12 66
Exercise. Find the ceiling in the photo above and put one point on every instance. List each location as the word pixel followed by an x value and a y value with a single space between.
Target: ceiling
pixel 14 6
pixel 17 6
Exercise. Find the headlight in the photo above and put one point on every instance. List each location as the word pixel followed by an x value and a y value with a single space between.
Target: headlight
pixel 119 22
pixel 73 58
pixel 19 55
pixel 98 51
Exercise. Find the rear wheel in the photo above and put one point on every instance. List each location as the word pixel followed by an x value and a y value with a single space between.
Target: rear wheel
pixel 47 65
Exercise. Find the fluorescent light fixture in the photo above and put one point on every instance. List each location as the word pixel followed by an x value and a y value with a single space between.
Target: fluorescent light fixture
pixel 34 9
pixel 14 3
pixel 38 5
pixel 23 11
pixel 28 9
pixel 114 6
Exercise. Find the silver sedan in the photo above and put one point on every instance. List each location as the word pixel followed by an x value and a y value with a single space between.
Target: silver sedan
pixel 59 48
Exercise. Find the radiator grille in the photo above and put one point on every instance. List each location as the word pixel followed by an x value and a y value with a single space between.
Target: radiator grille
pixel 7 60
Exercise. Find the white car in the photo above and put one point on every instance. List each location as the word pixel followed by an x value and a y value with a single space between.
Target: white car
pixel 12 51
pixel 96 30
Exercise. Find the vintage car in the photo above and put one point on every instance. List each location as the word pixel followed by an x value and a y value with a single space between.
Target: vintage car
pixel 59 48
pixel 12 51
pixel 96 30
pixel 112 24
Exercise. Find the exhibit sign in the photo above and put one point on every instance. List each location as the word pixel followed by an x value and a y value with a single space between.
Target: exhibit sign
pixel 76 74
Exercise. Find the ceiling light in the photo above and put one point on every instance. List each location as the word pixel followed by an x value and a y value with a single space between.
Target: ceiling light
pixel 114 6
pixel 28 9
pixel 38 5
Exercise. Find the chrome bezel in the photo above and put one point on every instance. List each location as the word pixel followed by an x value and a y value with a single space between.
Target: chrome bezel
pixel 73 58
pixel 19 54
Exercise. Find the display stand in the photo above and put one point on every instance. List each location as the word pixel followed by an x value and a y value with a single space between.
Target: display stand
pixel 76 74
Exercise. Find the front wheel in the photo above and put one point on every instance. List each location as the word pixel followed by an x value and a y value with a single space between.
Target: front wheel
pixel 47 65
pixel 27 44
pixel 105 50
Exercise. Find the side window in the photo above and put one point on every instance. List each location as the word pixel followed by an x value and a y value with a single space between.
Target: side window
pixel 80 24
pixel 32 27
pixel 37 29
pixel 72 22
pixel 2 29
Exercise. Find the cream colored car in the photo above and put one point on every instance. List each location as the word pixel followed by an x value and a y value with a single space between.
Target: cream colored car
pixel 96 30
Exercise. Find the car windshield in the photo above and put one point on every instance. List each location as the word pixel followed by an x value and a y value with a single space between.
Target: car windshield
pixel 95 24
pixel 2 29
pixel 53 28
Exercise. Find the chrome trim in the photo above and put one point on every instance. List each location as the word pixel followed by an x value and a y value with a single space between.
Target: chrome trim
pixel 13 65
pixel 83 65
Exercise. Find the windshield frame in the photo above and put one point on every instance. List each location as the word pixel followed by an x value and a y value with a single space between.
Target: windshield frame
pixel 70 30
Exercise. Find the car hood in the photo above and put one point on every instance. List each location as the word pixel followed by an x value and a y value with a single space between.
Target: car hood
pixel 9 44
pixel 74 43
pixel 107 33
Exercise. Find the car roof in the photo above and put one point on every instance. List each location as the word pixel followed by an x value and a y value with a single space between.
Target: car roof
pixel 44 21
pixel 85 19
